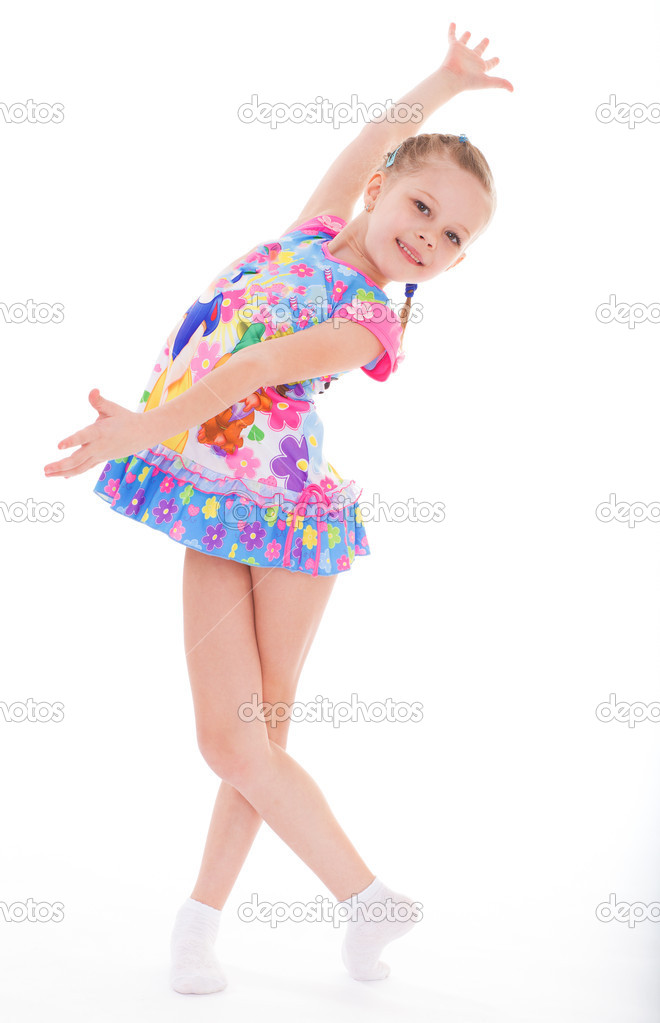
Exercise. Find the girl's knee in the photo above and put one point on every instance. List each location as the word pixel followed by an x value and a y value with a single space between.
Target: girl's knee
pixel 231 761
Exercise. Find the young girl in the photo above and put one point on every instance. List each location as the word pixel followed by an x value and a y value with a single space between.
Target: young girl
pixel 243 483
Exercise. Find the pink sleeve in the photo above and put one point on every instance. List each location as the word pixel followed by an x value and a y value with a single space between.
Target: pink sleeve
pixel 384 322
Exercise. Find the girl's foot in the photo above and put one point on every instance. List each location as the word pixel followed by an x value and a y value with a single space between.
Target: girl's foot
pixel 195 969
pixel 378 916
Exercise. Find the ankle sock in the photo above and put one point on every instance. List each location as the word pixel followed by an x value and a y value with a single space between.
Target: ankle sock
pixel 195 969
pixel 365 938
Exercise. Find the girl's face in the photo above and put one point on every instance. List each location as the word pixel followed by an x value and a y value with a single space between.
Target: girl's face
pixel 436 213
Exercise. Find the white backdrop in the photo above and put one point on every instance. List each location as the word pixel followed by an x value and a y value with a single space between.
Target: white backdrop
pixel 511 811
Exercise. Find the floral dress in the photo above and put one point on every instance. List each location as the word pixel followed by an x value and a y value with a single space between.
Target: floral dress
pixel 253 482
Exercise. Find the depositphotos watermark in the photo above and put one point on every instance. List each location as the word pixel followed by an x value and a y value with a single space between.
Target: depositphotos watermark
pixel 280 317
pixel 323 910
pixel 242 514
pixel 631 913
pixel 29 710
pixel 29 511
pixel 631 114
pixel 30 112
pixel 623 312
pixel 324 111
pixel 32 312
pixel 323 709
pixel 621 511
pixel 633 713
pixel 32 912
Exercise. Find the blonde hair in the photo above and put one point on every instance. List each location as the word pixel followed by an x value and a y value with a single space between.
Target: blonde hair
pixel 417 152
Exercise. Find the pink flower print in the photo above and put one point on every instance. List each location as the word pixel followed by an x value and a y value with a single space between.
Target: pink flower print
pixel 204 360
pixel 177 530
pixel 243 463
pixel 327 485
pixel 338 290
pixel 112 488
pixel 261 313
pixel 351 536
pixel 301 270
pixel 284 412
pixel 167 484
pixel 343 563
pixel 273 549
pixel 232 301
pixel 309 565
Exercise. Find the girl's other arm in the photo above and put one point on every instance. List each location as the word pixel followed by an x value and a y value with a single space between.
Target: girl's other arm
pixel 343 184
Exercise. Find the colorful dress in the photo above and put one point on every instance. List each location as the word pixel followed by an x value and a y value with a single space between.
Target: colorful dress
pixel 253 483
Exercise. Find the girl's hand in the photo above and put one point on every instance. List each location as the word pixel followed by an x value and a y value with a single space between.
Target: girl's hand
pixel 468 65
pixel 117 432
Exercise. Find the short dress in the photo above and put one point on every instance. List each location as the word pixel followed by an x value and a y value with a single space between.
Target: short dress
pixel 253 483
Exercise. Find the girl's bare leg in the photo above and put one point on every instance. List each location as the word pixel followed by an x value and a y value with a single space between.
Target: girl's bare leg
pixel 240 641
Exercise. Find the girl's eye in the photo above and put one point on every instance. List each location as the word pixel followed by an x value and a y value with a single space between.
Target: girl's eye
pixel 418 203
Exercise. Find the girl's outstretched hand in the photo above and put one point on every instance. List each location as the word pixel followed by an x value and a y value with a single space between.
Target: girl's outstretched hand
pixel 116 433
pixel 468 64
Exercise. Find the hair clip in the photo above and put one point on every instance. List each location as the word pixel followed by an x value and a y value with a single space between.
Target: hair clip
pixel 463 138
pixel 390 159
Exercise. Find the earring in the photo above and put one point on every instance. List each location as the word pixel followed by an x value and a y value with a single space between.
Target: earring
pixel 368 208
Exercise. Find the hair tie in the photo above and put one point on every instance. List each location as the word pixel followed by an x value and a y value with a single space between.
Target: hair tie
pixel 463 138
pixel 390 159
pixel 410 290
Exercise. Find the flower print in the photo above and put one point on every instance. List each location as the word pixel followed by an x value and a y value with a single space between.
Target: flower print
pixel 351 536
pixel 112 488
pixel 210 509
pixel 334 535
pixel 270 514
pixel 273 549
pixel 204 360
pixel 177 530
pixel 327 485
pixel 243 463
pixel 186 495
pixel 309 565
pixel 343 563
pixel 249 561
pixel 301 270
pixel 167 484
pixel 135 502
pixel 331 223
pixel 106 470
pixel 213 537
pixel 358 515
pixel 164 511
pixel 351 555
pixel 285 411
pixel 252 535
pixel 234 548
pixel 309 536
pixel 293 463
pixel 296 549
pixel 338 290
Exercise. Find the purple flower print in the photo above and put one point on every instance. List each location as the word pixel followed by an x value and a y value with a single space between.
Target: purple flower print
pixel 296 549
pixel 165 510
pixel 287 465
pixel 135 502
pixel 106 469
pixel 213 537
pixel 252 535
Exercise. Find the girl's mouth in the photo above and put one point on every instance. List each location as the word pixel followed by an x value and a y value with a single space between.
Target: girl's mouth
pixel 408 254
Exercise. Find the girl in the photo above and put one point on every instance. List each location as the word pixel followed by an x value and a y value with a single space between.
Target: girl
pixel 234 478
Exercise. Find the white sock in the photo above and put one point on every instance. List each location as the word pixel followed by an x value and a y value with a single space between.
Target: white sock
pixel 195 969
pixel 365 938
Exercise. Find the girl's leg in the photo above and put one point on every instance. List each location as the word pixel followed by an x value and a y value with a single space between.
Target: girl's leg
pixel 228 629
pixel 284 640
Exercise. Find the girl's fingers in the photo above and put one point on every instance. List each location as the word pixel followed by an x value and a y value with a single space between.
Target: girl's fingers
pixel 452 32
pixel 81 437
pixel 67 466
pixel 480 47
pixel 491 63
pixel 498 83
pixel 464 38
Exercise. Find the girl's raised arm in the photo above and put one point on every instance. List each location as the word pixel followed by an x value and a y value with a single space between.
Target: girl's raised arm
pixel 343 184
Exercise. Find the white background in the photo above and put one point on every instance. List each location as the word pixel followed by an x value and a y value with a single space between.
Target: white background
pixel 510 811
